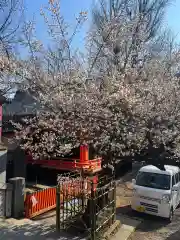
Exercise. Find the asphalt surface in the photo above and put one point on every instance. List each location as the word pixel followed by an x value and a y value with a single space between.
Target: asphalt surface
pixel 153 227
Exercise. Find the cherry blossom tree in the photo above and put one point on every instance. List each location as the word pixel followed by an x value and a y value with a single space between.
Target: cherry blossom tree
pixel 75 107
pixel 123 31
pixel 11 15
pixel 117 105
pixel 126 38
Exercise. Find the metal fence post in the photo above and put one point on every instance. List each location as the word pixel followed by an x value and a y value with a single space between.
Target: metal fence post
pixel 114 201
pixel 82 188
pixel 93 213
pixel 58 207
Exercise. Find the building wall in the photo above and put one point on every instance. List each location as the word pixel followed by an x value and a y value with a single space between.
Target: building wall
pixel 16 166
pixel 3 162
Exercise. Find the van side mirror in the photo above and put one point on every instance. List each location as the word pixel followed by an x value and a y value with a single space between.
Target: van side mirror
pixel 133 181
pixel 175 188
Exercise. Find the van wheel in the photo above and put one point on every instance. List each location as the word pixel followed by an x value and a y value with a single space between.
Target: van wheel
pixel 171 214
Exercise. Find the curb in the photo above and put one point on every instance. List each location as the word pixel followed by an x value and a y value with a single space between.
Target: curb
pixel 112 230
pixel 128 226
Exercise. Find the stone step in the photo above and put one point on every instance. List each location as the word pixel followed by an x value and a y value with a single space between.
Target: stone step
pixel 128 226
pixel 112 230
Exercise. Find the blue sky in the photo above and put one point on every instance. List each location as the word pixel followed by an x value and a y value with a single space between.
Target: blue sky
pixel 173 17
pixel 71 8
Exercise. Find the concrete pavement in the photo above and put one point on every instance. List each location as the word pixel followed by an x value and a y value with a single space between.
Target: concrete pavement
pixel 25 229
pixel 32 230
pixel 128 226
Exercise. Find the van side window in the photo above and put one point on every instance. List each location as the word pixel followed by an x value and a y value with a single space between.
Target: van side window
pixel 177 177
pixel 173 180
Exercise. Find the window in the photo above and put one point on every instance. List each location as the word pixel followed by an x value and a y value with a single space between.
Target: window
pixel 173 180
pixel 153 180
pixel 177 177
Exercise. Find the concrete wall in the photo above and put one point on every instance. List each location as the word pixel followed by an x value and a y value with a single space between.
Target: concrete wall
pixel 5 199
pixel 3 162
pixel 18 185
pixel 19 163
pixel 16 166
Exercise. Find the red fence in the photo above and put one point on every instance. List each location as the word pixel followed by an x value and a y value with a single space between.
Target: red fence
pixel 42 201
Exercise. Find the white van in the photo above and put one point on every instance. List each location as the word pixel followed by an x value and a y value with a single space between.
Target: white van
pixel 157 191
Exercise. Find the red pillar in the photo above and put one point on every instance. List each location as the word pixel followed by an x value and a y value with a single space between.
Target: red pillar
pixel 84 154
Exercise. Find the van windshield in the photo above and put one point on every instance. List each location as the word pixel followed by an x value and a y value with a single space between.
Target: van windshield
pixel 153 180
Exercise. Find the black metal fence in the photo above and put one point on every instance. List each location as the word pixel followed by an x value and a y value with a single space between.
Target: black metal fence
pixel 85 204
pixel 103 206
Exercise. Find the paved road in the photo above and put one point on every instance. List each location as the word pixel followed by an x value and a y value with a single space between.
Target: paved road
pixel 156 228
pixel 12 229
pixel 151 227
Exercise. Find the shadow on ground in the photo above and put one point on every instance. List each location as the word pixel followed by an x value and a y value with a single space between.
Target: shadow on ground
pixel 33 232
pixel 128 174
pixel 149 223
pixel 48 217
pixel 174 236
